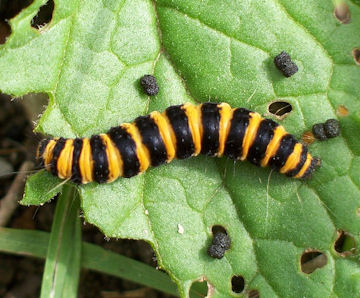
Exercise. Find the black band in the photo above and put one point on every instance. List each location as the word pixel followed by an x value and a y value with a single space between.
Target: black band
pixel 184 141
pixel 263 137
pixel 210 121
pixel 99 156
pixel 151 138
pixel 238 127
pixel 127 148
pixel 59 146
pixel 75 167
pixel 287 144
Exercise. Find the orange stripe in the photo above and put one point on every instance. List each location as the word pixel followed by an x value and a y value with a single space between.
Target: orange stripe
pixel 250 133
pixel 193 116
pixel 293 159
pixel 171 132
pixel 64 163
pixel 48 152
pixel 141 151
pixel 226 113
pixel 165 133
pixel 86 162
pixel 115 163
pixel 274 145
pixel 306 165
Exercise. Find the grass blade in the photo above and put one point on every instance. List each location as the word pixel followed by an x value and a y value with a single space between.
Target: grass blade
pixel 24 242
pixel 34 244
pixel 63 259
pixel 98 259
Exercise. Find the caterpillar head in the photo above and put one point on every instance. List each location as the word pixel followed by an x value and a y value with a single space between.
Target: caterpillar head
pixel 40 151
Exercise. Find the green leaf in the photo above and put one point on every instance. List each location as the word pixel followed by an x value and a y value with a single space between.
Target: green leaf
pixel 40 188
pixel 24 242
pixel 62 266
pixel 96 51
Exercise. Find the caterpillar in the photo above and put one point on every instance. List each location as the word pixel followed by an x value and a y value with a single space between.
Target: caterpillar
pixel 181 131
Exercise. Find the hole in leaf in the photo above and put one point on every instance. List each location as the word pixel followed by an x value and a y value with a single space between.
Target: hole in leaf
pixel 312 260
pixel 218 229
pixel 279 108
pixel 358 211
pixel 44 15
pixel 5 31
pixel 345 244
pixel 342 111
pixel 199 289
pixel 237 284
pixel 253 294
pixel 308 137
pixel 342 13
pixel 356 55
pixel 9 9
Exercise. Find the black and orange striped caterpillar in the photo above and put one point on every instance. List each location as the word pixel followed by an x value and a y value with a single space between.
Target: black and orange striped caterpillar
pixel 179 132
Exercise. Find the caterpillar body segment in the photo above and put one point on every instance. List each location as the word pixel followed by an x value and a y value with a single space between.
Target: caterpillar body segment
pixel 179 132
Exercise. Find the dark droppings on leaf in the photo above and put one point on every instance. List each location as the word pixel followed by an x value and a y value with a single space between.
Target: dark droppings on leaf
pixel 216 251
pixel 220 242
pixel 345 244
pixel 332 128
pixel 319 131
pixel 311 260
pixel 327 130
pixel 149 85
pixel 284 63
pixel 237 284
pixel 279 108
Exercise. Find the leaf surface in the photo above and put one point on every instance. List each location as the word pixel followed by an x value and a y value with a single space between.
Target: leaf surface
pixel 89 60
